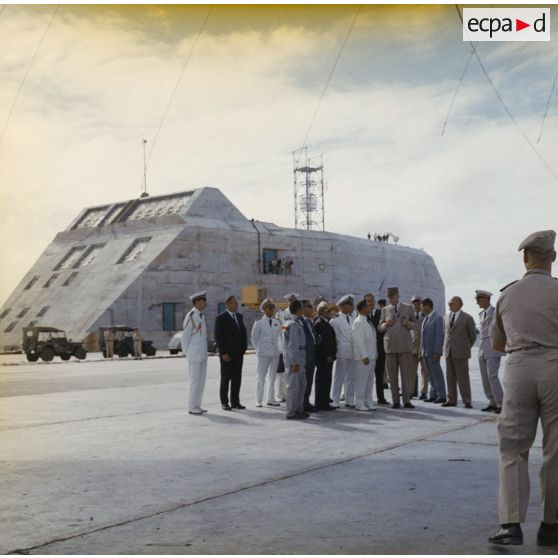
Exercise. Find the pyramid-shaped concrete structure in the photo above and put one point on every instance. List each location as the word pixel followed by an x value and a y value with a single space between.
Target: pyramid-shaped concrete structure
pixel 136 262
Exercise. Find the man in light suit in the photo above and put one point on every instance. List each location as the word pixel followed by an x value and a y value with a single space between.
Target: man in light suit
pixel 365 353
pixel 459 336
pixel 344 365
pixel 294 354
pixel 489 359
pixel 432 349
pixel 231 338
pixel 194 347
pixel 397 321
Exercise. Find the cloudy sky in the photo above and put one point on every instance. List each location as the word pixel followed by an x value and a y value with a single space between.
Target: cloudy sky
pixel 104 75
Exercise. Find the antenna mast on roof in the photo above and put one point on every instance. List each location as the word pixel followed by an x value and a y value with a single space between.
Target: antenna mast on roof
pixel 308 191
pixel 144 193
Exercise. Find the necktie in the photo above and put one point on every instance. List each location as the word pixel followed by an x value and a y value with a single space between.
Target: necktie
pixel 484 315
pixel 417 316
pixel 396 308
pixel 348 319
pixel 235 320
pixel 452 321
pixel 270 322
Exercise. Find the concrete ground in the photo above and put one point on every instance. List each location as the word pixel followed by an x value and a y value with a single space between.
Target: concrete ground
pixel 101 457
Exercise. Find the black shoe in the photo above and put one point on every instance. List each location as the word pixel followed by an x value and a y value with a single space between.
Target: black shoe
pixel 383 402
pixel 328 408
pixel 439 401
pixel 349 406
pixel 409 406
pixel 239 407
pixel 446 404
pixel 302 415
pixel 309 408
pixel 468 406
pixel 498 410
pixel 488 409
pixel 511 534
pixel 423 397
pixel 273 405
pixel 430 400
pixel 547 534
pixel 396 406
pixel 226 407
pixel 294 416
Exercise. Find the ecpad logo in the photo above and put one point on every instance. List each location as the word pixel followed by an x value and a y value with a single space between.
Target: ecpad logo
pixel 506 24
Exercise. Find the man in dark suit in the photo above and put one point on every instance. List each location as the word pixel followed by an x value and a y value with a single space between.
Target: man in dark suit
pixel 326 350
pixel 231 339
pixel 374 319
pixel 310 337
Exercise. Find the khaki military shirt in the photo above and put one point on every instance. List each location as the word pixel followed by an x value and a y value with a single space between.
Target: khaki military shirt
pixel 526 313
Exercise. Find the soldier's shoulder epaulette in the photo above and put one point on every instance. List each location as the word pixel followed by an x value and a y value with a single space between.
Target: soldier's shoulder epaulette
pixel 508 285
pixel 258 319
pixel 191 313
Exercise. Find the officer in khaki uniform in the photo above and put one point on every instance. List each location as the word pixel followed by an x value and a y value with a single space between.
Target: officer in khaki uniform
pixel 397 321
pixel 525 324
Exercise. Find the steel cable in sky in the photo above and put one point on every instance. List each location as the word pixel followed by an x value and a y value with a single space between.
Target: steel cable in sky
pixel 330 76
pixel 10 112
pixel 508 112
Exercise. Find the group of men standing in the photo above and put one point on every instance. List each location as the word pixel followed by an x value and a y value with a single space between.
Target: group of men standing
pixel 343 350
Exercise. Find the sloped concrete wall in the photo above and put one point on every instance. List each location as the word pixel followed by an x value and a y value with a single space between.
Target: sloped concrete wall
pixel 222 258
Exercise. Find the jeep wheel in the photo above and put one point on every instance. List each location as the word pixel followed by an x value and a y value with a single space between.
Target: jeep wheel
pixel 80 353
pixel 173 351
pixel 150 351
pixel 32 357
pixel 47 354
pixel 123 351
pixel 65 356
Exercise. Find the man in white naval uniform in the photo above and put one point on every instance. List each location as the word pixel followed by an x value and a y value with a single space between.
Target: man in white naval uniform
pixel 365 354
pixel 194 346
pixel 283 316
pixel 294 353
pixel 344 365
pixel 489 359
pixel 265 338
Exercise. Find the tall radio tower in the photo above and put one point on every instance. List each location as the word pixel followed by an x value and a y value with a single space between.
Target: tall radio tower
pixel 308 191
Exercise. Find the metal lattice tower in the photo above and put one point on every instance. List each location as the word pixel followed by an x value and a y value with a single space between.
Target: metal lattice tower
pixel 308 191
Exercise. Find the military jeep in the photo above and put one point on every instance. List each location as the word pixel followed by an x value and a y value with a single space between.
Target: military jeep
pixel 47 342
pixel 124 341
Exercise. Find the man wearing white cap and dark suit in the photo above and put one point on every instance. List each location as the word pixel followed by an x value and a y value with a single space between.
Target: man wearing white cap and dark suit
pixel 344 365
pixel 489 359
pixel 525 325
pixel 417 360
pixel 194 346
pixel 265 337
